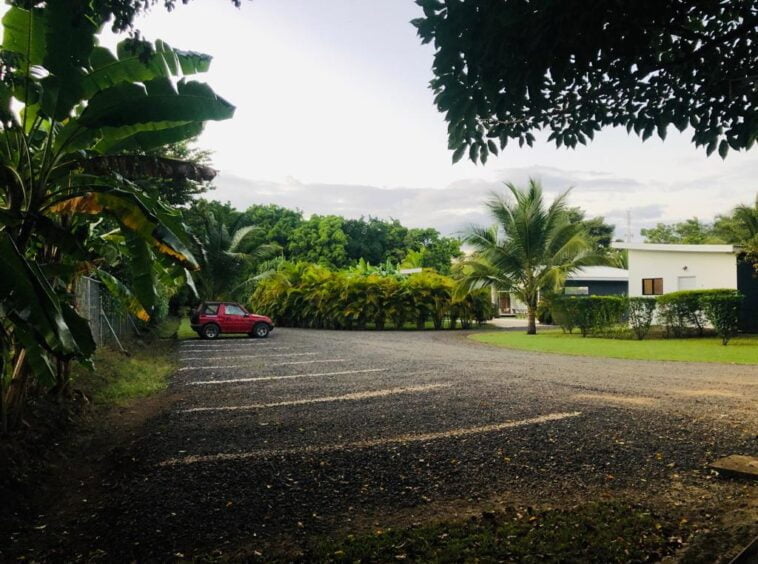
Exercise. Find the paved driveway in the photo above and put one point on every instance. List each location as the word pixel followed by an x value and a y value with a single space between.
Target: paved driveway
pixel 309 432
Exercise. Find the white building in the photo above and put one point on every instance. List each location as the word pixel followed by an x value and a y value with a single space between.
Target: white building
pixel 656 269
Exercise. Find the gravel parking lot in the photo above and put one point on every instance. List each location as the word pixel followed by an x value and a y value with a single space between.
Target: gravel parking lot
pixel 311 432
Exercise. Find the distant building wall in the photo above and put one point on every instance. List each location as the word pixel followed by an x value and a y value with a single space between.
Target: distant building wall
pixel 599 287
pixel 682 270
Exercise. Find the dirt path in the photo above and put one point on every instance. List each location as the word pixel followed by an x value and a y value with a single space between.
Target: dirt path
pixel 311 432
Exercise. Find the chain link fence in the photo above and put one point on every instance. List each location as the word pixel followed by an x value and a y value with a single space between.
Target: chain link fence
pixel 109 323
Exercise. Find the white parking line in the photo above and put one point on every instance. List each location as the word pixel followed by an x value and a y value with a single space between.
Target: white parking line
pixel 235 366
pixel 347 397
pixel 238 356
pixel 409 438
pixel 265 378
pixel 308 361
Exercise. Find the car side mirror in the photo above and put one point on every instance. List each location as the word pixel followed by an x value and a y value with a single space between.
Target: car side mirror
pixel 247 315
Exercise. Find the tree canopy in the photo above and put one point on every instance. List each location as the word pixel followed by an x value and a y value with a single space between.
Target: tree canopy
pixel 507 69
pixel 329 240
pixel 738 227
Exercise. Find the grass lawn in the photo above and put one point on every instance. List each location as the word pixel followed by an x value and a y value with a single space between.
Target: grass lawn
pixel 740 350
pixel 119 378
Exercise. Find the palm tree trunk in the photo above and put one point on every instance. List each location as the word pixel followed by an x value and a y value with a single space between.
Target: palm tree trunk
pixel 531 320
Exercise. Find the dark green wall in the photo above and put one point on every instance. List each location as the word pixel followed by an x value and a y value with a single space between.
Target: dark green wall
pixel 747 284
pixel 599 288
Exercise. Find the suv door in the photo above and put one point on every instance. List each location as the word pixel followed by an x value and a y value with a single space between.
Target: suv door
pixel 234 320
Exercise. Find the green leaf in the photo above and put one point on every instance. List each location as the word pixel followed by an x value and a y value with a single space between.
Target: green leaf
pixel 458 154
pixel 136 212
pixel 146 136
pixel 28 298
pixel 24 33
pixel 191 283
pixel 36 357
pixel 129 67
pixel 142 273
pixel 130 104
pixel 723 148
pixel 123 294
pixel 69 39
pixel 80 329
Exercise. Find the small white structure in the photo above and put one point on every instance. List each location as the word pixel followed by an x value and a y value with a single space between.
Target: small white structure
pixel 585 281
pixel 656 269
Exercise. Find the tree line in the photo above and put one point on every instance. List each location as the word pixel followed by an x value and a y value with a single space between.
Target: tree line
pixel 240 244
pixel 739 226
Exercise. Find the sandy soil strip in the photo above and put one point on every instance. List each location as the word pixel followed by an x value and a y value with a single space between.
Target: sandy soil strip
pixel 409 438
pixel 610 398
pixel 710 392
pixel 292 376
pixel 347 397
pixel 238 356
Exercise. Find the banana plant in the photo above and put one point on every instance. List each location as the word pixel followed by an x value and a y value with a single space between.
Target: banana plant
pixel 73 118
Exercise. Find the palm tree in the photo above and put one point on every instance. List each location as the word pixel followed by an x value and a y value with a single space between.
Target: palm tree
pixel 530 249
pixel 221 259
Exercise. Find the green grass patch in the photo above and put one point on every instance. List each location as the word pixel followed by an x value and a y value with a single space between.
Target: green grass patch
pixel 740 350
pixel 594 532
pixel 119 378
pixel 184 331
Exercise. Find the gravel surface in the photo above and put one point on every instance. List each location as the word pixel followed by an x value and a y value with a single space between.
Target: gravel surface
pixel 322 431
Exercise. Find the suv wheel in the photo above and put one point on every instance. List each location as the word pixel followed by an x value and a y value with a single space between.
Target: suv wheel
pixel 210 331
pixel 260 330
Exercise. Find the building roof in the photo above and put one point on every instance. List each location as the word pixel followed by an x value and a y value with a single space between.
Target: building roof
pixel 677 248
pixel 599 274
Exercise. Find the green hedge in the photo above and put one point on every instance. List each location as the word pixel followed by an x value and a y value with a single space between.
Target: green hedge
pixel 309 295
pixel 680 313
pixel 641 312
pixel 723 312
pixel 591 314
pixel 683 312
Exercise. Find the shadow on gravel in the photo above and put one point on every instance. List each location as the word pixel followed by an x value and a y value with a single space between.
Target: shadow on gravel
pixel 155 512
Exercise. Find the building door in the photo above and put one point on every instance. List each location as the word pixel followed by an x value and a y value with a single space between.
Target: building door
pixel 505 302
pixel 686 283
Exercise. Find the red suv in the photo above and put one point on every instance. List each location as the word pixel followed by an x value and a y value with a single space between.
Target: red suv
pixel 211 319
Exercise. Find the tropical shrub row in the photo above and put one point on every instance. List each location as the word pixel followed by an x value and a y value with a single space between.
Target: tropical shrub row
pixel 589 314
pixel 309 295
pixel 680 313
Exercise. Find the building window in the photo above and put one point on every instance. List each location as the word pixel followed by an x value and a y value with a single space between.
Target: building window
pixel 577 290
pixel 652 286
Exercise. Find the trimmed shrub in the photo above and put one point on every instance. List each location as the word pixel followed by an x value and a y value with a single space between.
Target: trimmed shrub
pixel 723 312
pixel 565 313
pixel 544 311
pixel 591 314
pixel 682 311
pixel 641 312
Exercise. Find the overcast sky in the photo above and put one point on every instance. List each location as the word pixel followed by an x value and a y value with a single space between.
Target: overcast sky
pixel 334 115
